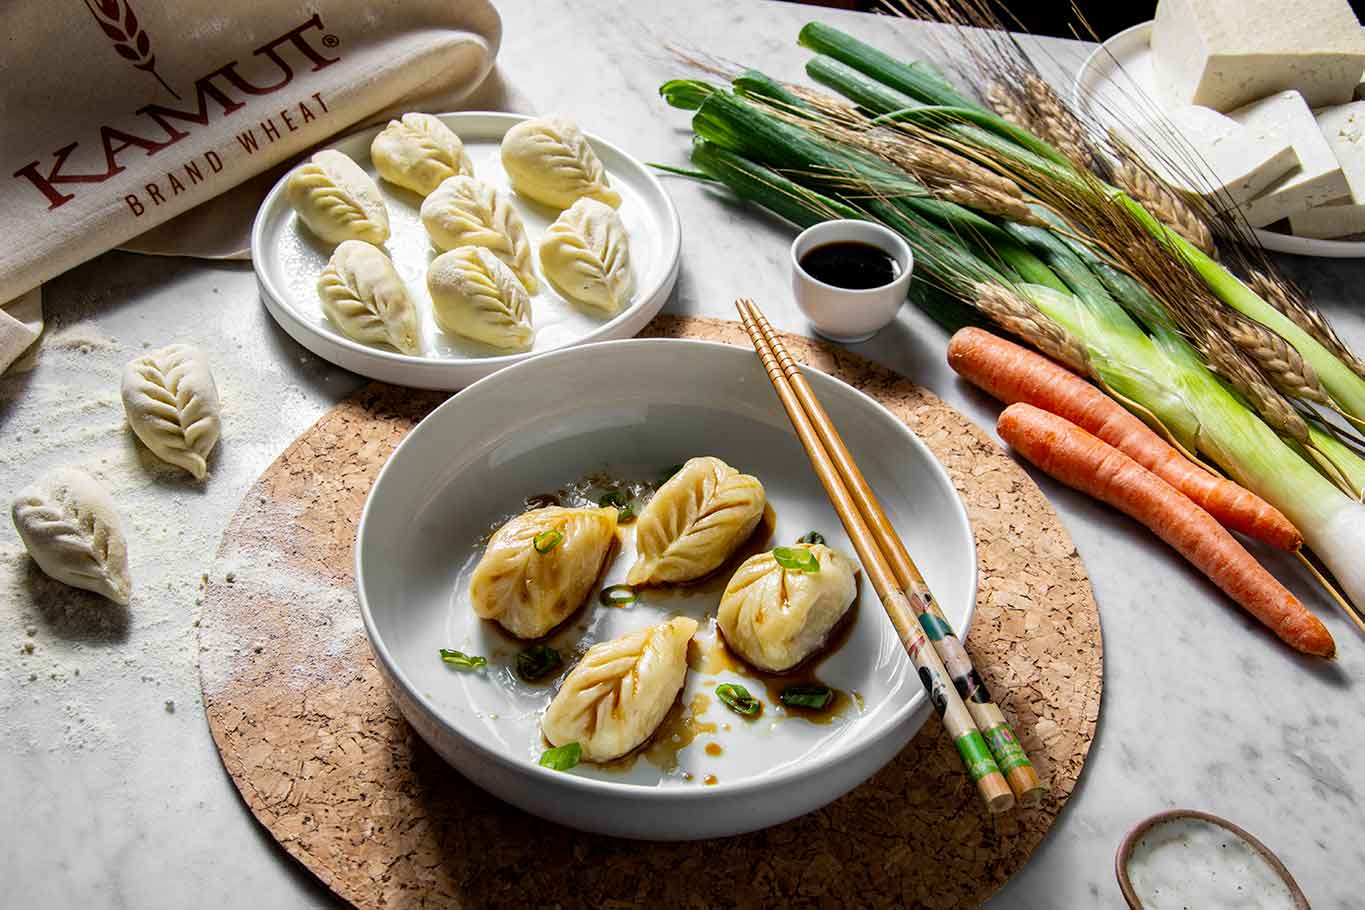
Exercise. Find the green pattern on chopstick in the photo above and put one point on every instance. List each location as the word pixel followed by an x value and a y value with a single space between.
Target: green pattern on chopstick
pixel 1005 747
pixel 976 755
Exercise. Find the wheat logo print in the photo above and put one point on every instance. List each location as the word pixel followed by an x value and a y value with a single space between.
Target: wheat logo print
pixel 119 22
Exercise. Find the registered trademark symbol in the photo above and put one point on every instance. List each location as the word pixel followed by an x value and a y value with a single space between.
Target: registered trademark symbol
pixel 330 40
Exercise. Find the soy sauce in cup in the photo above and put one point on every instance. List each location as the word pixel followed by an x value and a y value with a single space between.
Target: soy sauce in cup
pixel 850 264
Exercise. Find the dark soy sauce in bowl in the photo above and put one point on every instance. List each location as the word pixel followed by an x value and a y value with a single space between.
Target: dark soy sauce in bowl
pixel 851 264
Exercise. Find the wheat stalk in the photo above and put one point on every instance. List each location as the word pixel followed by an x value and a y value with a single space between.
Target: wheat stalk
pixel 1054 122
pixel 1297 310
pixel 1163 202
pixel 1277 359
pixel 1014 314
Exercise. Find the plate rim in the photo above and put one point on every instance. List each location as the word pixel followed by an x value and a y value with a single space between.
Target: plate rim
pixel 388 363
pixel 645 792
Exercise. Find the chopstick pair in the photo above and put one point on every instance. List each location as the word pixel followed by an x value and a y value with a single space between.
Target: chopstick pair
pixel 990 751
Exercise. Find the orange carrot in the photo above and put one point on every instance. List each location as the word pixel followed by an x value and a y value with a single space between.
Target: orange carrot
pixel 1091 465
pixel 1012 373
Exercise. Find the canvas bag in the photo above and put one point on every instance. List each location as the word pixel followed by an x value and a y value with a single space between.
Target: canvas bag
pixel 121 114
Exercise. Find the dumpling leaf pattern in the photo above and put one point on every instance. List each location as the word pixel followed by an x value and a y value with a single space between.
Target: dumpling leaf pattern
pixel 550 161
pixel 475 295
pixel 418 152
pixel 619 693
pixel 337 200
pixel 363 295
pixel 586 255
pixel 694 522
pixel 171 402
pixel 468 212
pixel 70 528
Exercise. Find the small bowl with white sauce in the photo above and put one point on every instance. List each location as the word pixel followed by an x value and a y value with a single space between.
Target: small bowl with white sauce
pixel 850 277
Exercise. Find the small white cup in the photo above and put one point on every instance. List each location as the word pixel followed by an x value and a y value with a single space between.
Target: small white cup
pixel 842 314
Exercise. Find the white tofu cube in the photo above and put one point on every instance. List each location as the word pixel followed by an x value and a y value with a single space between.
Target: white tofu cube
pixel 1329 222
pixel 1344 128
pixel 1318 178
pixel 1226 53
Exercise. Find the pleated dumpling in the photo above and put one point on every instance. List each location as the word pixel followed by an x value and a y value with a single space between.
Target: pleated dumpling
pixel 363 296
pixel 620 691
pixel 550 161
pixel 70 527
pixel 586 255
pixel 776 617
pixel 468 212
pixel 475 295
pixel 418 152
pixel 337 200
pixel 539 567
pixel 171 402
pixel 695 522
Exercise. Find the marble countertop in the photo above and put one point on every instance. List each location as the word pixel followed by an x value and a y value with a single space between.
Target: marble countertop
pixel 113 793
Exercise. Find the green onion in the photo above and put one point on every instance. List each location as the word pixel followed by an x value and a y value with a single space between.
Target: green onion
pixel 815 698
pixel 798 559
pixel 918 80
pixel 738 699
pixel 562 758
pixel 625 509
pixel 538 661
pixel 461 660
pixel 686 94
pixel 546 541
pixel 617 596
pixel 812 537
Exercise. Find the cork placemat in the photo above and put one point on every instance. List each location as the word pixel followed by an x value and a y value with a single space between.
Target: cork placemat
pixel 322 757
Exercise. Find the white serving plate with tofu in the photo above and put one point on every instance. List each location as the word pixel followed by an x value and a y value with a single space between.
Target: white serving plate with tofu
pixel 288 258
pixel 1117 86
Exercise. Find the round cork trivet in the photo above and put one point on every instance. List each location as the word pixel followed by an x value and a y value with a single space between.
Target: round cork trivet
pixel 322 757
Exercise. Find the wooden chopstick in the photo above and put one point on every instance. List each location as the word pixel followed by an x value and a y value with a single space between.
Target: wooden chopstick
pixel 971 746
pixel 999 735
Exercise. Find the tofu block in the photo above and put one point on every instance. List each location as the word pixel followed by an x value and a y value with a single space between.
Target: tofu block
pixel 1206 152
pixel 1226 53
pixel 1318 178
pixel 1329 222
pixel 1343 126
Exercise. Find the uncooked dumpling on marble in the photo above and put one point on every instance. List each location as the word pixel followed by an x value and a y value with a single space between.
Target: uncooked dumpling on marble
pixel 70 528
pixel 696 520
pixel 539 567
pixel 337 200
pixel 418 152
pixel 468 212
pixel 585 254
pixel 171 402
pixel 474 294
pixel 550 161
pixel 365 299
pixel 776 617
pixel 619 693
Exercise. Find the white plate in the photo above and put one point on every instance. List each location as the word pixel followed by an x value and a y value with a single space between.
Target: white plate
pixel 553 419
pixel 288 259
pixel 1116 84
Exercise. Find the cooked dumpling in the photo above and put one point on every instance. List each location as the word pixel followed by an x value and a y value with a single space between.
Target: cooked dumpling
pixel 549 160
pixel 69 526
pixel 586 256
pixel 475 295
pixel 539 567
pixel 775 617
pixel 694 522
pixel 467 212
pixel 172 405
pixel 620 691
pixel 418 152
pixel 337 200
pixel 364 297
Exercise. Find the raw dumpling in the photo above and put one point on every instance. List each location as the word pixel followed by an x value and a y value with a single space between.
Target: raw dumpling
pixel 418 152
pixel 620 691
pixel 539 567
pixel 364 297
pixel 550 161
pixel 696 520
pixel 172 405
pixel 71 530
pixel 775 618
pixel 586 256
pixel 475 295
pixel 467 212
pixel 337 199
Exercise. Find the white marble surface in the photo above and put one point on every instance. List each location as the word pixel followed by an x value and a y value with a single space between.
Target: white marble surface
pixel 111 800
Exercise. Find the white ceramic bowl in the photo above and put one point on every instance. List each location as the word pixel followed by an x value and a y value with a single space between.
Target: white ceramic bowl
pixel 635 407
pixel 850 315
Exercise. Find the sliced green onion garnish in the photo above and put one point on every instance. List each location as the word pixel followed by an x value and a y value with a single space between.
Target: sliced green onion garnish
pixel 817 698
pixel 796 558
pixel 625 509
pixel 546 541
pixel 738 699
pixel 812 537
pixel 538 661
pixel 562 758
pixel 617 596
pixel 461 660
